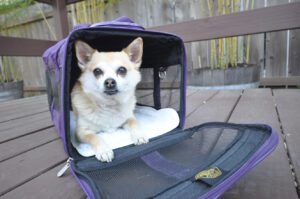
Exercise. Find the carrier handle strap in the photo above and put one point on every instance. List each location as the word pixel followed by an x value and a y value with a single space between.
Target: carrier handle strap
pixel 156 88
pixel 121 22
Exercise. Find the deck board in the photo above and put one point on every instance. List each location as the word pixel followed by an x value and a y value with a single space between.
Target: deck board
pixel 197 99
pixel 173 98
pixel 215 108
pixel 48 186
pixel 16 109
pixel 17 146
pixel 288 109
pixel 22 102
pixel 23 126
pixel 22 168
pixel 272 178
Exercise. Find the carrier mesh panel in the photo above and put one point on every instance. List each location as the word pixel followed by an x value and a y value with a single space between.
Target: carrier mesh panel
pixel 169 87
pixel 163 169
pixel 208 144
pixel 133 179
pixel 53 90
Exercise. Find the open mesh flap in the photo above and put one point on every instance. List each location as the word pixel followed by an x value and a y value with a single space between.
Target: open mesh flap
pixel 166 168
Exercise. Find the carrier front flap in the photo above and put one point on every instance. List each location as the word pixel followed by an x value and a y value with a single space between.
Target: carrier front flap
pixel 201 161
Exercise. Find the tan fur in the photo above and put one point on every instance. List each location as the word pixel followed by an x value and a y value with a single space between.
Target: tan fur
pixel 132 123
pixel 96 111
pixel 91 138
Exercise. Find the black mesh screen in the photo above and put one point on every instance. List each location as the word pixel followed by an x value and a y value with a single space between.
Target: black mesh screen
pixel 133 179
pixel 202 147
pixel 166 168
pixel 53 89
pixel 168 88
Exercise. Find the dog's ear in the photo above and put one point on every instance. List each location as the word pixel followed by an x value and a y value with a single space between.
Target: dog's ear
pixel 83 53
pixel 135 50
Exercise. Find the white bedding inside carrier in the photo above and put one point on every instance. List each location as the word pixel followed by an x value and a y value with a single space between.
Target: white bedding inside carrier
pixel 150 121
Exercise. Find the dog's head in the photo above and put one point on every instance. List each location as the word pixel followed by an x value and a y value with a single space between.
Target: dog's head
pixel 109 73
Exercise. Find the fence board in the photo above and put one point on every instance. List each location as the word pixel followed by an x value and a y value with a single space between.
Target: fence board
pixel 14 46
pixel 243 23
pixel 294 56
pixel 276 58
pixel 276 49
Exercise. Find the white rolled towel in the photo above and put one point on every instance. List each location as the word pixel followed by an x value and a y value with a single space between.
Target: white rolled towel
pixel 150 121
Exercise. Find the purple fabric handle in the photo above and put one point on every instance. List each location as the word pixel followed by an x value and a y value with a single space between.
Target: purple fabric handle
pixel 120 22
pixel 80 26
pixel 156 89
pixel 124 19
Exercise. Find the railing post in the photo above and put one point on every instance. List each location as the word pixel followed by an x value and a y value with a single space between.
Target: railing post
pixel 60 15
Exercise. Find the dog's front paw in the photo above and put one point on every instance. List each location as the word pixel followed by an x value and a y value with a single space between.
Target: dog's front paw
pixel 139 139
pixel 104 154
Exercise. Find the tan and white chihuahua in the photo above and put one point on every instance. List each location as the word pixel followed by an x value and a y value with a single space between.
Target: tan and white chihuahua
pixel 103 98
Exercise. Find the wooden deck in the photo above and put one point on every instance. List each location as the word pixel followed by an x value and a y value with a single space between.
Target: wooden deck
pixel 31 152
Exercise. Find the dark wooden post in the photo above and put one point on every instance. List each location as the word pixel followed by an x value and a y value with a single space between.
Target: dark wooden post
pixel 61 18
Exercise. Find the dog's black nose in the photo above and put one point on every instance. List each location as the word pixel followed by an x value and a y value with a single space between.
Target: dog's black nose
pixel 110 83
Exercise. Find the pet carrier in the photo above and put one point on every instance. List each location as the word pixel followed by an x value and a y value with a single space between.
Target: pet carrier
pixel 200 162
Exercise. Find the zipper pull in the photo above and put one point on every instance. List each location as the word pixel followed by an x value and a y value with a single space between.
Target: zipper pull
pixel 162 72
pixel 65 168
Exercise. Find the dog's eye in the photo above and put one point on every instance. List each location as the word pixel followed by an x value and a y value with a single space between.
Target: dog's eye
pixel 97 72
pixel 122 71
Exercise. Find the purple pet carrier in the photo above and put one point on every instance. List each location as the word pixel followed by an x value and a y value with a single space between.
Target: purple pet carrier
pixel 200 162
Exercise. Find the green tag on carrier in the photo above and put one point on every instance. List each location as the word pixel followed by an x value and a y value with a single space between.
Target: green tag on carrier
pixel 209 173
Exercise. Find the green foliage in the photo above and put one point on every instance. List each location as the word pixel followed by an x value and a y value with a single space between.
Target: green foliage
pixel 13 10
pixel 7 71
pixel 232 51
pixel 7 6
pixel 90 11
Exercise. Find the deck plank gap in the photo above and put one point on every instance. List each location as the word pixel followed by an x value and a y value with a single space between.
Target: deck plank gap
pixel 286 147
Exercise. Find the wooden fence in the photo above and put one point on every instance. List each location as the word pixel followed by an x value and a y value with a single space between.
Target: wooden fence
pixel 279 61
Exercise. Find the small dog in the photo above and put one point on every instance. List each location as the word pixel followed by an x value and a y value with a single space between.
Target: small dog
pixel 103 98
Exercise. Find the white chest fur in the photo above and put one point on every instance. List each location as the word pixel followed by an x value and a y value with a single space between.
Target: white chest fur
pixel 102 114
pixel 109 117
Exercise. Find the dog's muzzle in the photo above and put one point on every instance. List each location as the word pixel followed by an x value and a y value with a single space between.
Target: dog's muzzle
pixel 110 86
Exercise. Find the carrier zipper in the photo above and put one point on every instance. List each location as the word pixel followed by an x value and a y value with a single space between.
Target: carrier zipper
pixel 65 168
